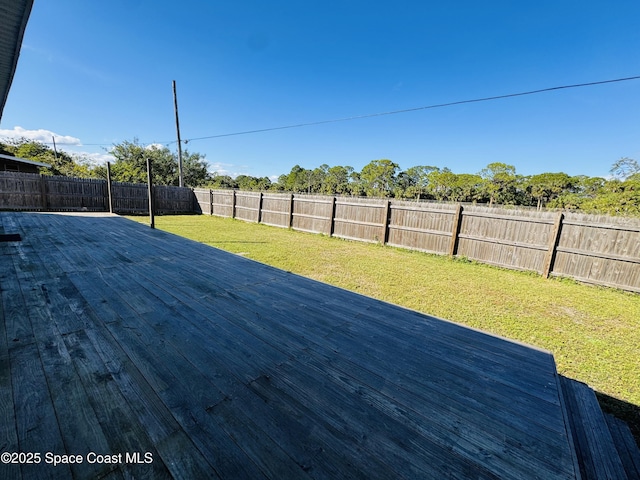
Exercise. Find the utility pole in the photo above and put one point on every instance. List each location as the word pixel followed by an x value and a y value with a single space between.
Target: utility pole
pixel 175 106
pixel 55 151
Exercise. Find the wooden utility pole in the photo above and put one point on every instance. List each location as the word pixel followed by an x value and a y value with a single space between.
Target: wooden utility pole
pixel 175 107
pixel 55 150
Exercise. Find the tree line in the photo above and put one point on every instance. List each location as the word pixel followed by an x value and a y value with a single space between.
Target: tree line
pixel 497 183
pixel 130 162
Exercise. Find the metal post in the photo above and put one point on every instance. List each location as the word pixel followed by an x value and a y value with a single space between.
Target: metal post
pixel 109 191
pixel 150 187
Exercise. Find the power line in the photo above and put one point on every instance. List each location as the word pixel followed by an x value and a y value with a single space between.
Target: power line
pixel 406 110
pixel 394 112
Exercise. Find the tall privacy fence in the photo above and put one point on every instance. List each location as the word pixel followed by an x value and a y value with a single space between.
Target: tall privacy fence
pixel 594 249
pixel 30 191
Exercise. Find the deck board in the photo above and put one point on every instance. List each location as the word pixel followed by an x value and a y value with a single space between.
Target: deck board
pixel 127 339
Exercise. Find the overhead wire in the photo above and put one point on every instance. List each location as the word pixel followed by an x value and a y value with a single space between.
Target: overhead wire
pixel 392 112
pixel 414 109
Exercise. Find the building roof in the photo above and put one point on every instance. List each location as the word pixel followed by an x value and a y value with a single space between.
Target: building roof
pixel 14 15
pixel 23 160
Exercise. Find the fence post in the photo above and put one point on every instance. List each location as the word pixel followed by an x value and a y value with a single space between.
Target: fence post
pixel 43 192
pixel 332 225
pixel 260 207
pixel 210 202
pixel 291 210
pixel 233 205
pixel 150 188
pixel 387 222
pixel 109 191
pixel 553 245
pixel 455 233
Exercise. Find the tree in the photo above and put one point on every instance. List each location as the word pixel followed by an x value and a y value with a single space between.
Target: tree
pixel 317 179
pixel 247 182
pixel 297 180
pixel 222 181
pixel 499 182
pixel 194 169
pixel 401 185
pixel 131 165
pixel 580 191
pixel 356 184
pixel 616 198
pixel 337 180
pixel 416 181
pixel 465 187
pixel 545 187
pixel 61 163
pixel 440 183
pixel 379 177
pixel 625 168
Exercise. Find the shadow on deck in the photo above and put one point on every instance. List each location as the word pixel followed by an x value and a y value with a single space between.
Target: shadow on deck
pixel 164 358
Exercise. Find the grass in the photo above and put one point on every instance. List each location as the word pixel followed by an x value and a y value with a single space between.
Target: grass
pixel 593 332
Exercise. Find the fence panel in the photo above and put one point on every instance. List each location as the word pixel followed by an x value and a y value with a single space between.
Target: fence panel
pixel 600 249
pixel 68 193
pixel 202 198
pixel 517 239
pixel 21 191
pixel 130 198
pixel 275 209
pixel 312 213
pixel 248 206
pixel 223 202
pixel 362 219
pixel 170 199
pixel 421 226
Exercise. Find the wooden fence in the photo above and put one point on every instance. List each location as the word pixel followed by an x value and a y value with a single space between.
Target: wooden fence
pixel 594 249
pixel 30 191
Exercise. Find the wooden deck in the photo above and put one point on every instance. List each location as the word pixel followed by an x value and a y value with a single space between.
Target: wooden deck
pixel 118 339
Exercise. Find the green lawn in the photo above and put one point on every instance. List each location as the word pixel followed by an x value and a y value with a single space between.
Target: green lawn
pixel 593 332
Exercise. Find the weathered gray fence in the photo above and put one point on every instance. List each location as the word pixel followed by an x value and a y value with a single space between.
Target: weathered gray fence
pixel 595 249
pixel 599 249
pixel 30 191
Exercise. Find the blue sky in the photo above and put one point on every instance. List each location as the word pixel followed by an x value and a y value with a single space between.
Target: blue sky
pixel 98 73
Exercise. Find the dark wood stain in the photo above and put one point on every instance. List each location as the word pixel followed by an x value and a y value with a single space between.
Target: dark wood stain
pixel 118 338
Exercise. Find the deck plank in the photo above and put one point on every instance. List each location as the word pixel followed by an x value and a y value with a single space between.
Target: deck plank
pixel 275 335
pixel 8 432
pixel 222 367
pixel 79 426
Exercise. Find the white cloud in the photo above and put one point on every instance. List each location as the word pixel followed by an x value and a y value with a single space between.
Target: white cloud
pixel 234 170
pixel 63 142
pixel 40 135
pixel 220 168
pixel 94 158
pixel 154 146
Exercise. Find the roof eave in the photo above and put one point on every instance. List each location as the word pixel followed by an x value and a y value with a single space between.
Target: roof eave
pixel 15 51
pixel 24 160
